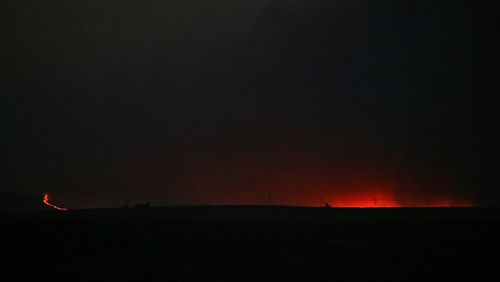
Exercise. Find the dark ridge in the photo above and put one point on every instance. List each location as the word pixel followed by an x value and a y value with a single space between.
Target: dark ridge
pixel 252 243
pixel 279 214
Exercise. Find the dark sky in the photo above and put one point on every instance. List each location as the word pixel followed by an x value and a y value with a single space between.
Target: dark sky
pixel 229 102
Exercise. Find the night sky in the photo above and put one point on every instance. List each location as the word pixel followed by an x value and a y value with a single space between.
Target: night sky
pixel 250 102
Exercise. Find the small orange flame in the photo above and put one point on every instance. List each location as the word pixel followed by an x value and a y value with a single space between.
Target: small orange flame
pixel 46 201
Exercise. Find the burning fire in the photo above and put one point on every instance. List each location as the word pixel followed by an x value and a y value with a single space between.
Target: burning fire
pixel 389 201
pixel 46 202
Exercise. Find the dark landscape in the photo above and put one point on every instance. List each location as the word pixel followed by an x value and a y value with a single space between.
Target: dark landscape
pixel 253 243
pixel 262 140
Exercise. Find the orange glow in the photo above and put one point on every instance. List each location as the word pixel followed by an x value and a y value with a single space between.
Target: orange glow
pixel 365 201
pixel 385 196
pixel 440 204
pixel 46 202
pixel 388 201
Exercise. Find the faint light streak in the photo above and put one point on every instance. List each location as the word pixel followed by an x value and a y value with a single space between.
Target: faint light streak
pixel 46 202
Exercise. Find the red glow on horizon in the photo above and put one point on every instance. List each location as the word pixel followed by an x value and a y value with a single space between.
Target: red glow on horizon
pixel 368 204
pixel 363 200
pixel 385 196
pixel 385 201
pixel 46 202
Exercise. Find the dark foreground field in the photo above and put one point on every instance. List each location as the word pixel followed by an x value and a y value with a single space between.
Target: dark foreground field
pixel 252 244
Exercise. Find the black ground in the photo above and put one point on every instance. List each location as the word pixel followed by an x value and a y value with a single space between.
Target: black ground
pixel 252 244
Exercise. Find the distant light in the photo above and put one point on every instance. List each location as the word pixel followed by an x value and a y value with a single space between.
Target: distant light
pixel 46 202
